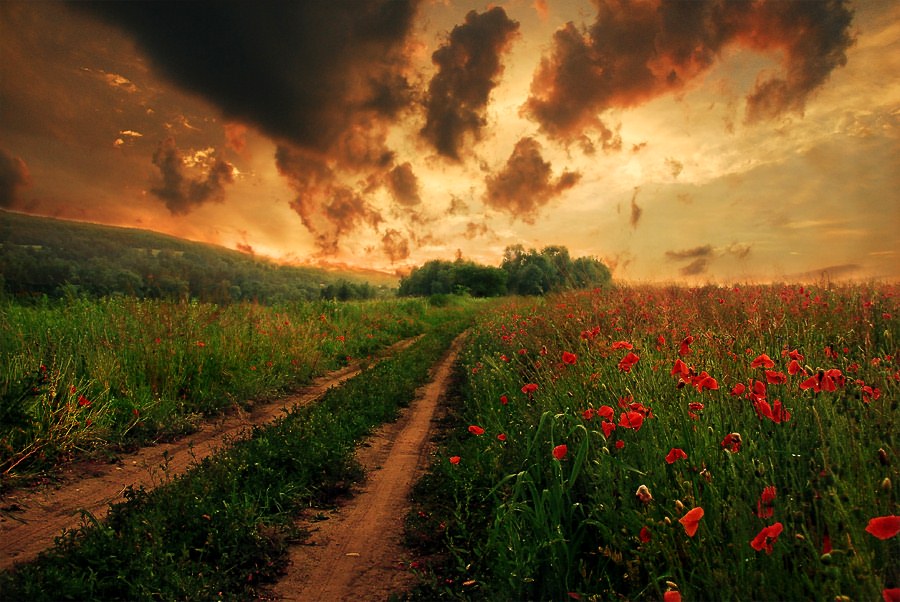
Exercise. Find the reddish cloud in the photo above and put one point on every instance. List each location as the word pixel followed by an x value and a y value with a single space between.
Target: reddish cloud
pixel 181 193
pixel 395 245
pixel 404 185
pixel 468 69
pixel 636 51
pixel 13 176
pixel 636 210
pixel 704 251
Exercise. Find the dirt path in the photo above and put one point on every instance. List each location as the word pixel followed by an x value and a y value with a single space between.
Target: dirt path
pixel 358 552
pixel 31 519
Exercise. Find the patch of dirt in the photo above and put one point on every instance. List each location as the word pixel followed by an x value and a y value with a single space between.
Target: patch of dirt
pixel 30 519
pixel 356 551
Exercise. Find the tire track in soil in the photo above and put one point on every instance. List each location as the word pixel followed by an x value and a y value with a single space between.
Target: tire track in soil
pixel 358 552
pixel 30 519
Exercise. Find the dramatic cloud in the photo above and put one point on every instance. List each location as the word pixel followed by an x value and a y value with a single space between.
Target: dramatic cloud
pixel 395 245
pixel 468 69
pixel 306 72
pixel 181 193
pixel 525 184
pixel 704 251
pixel 636 51
pixel 328 208
pixel 636 211
pixel 696 267
pixel 13 176
pixel 675 166
pixel 404 185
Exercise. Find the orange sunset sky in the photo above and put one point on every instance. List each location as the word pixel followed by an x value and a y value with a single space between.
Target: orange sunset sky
pixel 698 141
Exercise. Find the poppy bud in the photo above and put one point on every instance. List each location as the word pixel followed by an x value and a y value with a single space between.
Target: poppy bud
pixel 886 484
pixel 883 457
pixel 679 507
pixel 706 475
pixel 667 520
pixel 643 494
pixel 825 558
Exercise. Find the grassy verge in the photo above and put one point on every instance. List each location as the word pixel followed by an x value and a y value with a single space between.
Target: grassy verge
pixel 220 530
pixel 645 444
pixel 82 376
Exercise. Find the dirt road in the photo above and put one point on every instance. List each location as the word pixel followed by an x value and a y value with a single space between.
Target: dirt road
pixel 357 553
pixel 31 519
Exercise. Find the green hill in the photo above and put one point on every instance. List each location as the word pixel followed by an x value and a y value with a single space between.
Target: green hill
pixel 44 256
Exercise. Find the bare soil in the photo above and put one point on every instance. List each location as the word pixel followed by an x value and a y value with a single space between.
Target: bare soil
pixel 355 551
pixel 30 519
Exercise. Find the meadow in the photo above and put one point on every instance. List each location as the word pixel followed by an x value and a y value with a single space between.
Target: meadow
pixel 94 377
pixel 668 443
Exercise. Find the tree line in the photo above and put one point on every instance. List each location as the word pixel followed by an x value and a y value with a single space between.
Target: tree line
pixel 522 272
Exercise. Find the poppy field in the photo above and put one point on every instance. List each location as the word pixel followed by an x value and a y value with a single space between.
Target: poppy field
pixel 667 443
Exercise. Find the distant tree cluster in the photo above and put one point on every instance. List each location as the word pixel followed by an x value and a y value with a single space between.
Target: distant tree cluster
pixel 39 256
pixel 522 272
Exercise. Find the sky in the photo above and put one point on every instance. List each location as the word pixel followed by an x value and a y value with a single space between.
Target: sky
pixel 699 141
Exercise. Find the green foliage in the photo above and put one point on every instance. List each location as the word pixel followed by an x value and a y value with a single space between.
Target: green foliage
pixel 460 277
pixel 47 257
pixel 522 523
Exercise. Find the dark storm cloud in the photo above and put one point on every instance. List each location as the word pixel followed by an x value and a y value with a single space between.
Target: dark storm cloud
pixel 468 69
pixel 404 185
pixel 395 245
pixel 704 251
pixel 13 176
pixel 180 192
pixel 636 211
pixel 306 72
pixel 525 183
pixel 696 267
pixel 328 209
pixel 635 51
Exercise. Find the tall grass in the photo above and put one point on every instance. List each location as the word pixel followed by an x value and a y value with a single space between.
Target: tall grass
pixel 568 492
pixel 83 375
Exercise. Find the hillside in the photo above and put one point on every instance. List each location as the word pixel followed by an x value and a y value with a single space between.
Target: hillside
pixel 45 256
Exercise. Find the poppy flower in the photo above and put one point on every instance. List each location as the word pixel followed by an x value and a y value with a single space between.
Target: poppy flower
pixel 454 459
pixel 606 412
pixel 766 502
pixel 501 437
pixel 762 361
pixel 588 414
pixel 643 495
pixel 884 527
pixel 628 362
pixel 622 345
pixel 569 358
pixel 795 368
pixel 766 538
pixel 529 388
pixel 775 378
pixel 672 595
pixel 675 454
pixel 84 402
pixel 891 594
pixel 620 444
pixel 476 430
pixel 645 535
pixel 504 400
pixel 704 381
pixel 691 520
pixel 738 389
pixel 685 348
pixel 631 420
pixel 680 369
pixel 560 451
pixel 608 427
pixel 732 442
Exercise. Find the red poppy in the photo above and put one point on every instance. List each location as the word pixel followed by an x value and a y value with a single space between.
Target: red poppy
pixel 765 505
pixel 529 388
pixel 645 535
pixel 606 412
pixel 628 362
pixel 504 400
pixel 608 427
pixel 501 437
pixel 795 368
pixel 588 414
pixel 643 494
pixel 884 527
pixel 732 442
pixel 762 361
pixel 704 381
pixel 673 595
pixel 560 451
pixel 622 345
pixel 738 389
pixel 775 378
pixel 84 402
pixel 680 369
pixel 631 420
pixel 476 430
pixel 454 459
pixel 891 594
pixel 675 454
pixel 620 444
pixel 685 348
pixel 569 358
pixel 691 520
pixel 766 538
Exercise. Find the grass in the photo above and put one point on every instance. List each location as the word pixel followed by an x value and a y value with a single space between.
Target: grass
pixel 543 499
pixel 84 376
pixel 220 531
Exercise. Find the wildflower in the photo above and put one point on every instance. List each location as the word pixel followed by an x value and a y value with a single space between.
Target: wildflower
pixel 529 388
pixel 680 369
pixel 628 362
pixel 501 437
pixel 732 442
pixel 476 430
pixel 672 595
pixel 454 459
pixel 645 535
pixel 606 412
pixel 891 594
pixel 738 389
pixel 685 348
pixel 504 400
pixel 675 454
pixel 884 527
pixel 704 381
pixel 766 538
pixel 631 420
pixel 84 402
pixel 643 495
pixel 608 427
pixel 775 378
pixel 765 504
pixel 762 361
pixel 622 345
pixel 560 451
pixel 569 358
pixel 620 444
pixel 691 520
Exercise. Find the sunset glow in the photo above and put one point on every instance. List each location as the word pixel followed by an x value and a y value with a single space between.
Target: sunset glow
pixel 699 141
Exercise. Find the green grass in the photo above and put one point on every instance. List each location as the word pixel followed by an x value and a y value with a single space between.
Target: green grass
pixel 81 376
pixel 220 531
pixel 516 522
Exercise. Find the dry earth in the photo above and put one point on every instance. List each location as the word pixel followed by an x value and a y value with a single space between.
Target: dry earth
pixel 30 519
pixel 357 552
